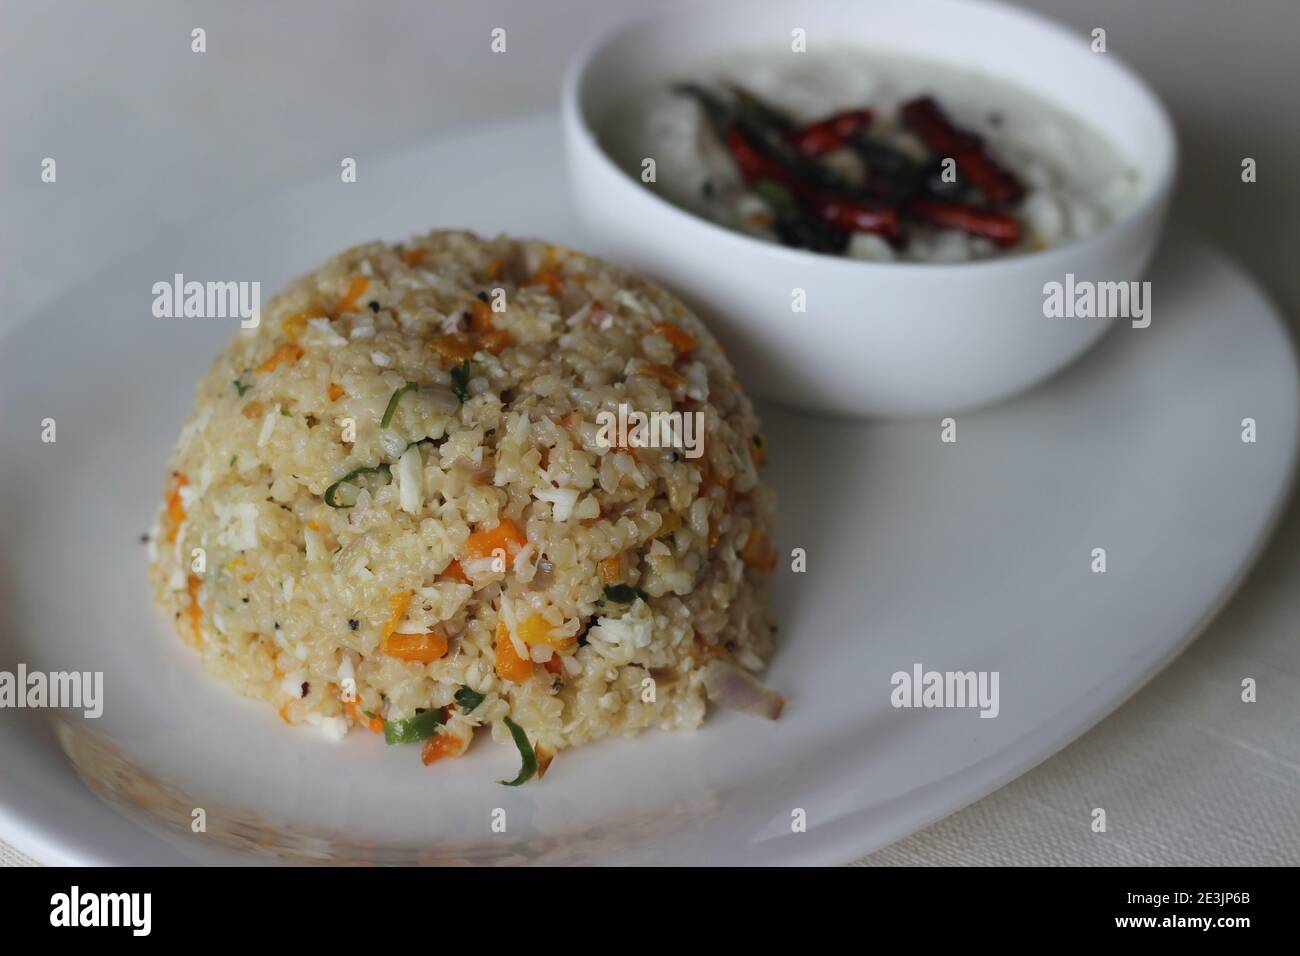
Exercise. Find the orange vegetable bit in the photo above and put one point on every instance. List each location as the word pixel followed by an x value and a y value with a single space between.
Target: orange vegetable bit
pixel 417 648
pixel 757 450
pixel 335 392
pixel 413 257
pixel 288 352
pixel 175 509
pixel 548 276
pixel 758 552
pixel 453 347
pixel 494 341
pixel 666 374
pixel 296 324
pixel 193 583
pixel 397 605
pixel 535 629
pixel 544 758
pixel 611 568
pixel 442 744
pixel 505 537
pixel 480 316
pixel 356 289
pixel 510 666
pixel 353 709
pixel 454 572
pixel 555 665
pixel 681 340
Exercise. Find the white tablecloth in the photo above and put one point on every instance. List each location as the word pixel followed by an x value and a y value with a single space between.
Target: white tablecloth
pixel 150 135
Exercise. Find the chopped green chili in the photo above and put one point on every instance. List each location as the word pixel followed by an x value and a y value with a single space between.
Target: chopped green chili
pixel 240 387
pixel 460 380
pixel 468 698
pixel 526 754
pixel 779 197
pixel 331 493
pixel 413 729
pixel 392 402
pixel 624 593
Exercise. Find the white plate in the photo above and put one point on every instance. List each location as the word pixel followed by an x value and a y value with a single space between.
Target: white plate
pixel 967 556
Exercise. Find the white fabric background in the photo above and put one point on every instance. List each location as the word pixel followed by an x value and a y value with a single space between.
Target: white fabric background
pixel 148 139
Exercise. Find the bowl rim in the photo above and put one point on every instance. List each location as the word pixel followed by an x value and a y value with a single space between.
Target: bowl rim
pixel 578 126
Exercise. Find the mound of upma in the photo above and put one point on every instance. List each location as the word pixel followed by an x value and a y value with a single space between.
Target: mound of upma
pixel 409 501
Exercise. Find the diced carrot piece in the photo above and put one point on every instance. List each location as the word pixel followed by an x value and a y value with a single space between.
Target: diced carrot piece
pixel 356 288
pixel 397 605
pixel 668 375
pixel 611 568
pixel 505 537
pixel 555 665
pixel 413 257
pixel 442 744
pixel 494 341
pixel 544 758
pixel 296 324
pixel 353 709
pixel 535 629
pixel 192 584
pixel 453 347
pixel 480 316
pixel 335 392
pixel 420 648
pixel 288 352
pixel 681 340
pixel 175 509
pixel 455 572
pixel 510 666
pixel 758 552
pixel 548 276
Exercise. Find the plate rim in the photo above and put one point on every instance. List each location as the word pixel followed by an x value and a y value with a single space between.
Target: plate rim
pixel 47 843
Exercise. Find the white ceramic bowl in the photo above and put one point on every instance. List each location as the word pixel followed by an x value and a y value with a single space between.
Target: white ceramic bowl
pixel 897 339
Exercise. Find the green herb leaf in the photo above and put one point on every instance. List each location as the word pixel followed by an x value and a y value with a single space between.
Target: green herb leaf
pixel 350 490
pixel 392 402
pixel 413 729
pixel 526 754
pixel 624 593
pixel 460 380
pixel 233 459
pixel 240 387
pixel 468 698
pixel 778 197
